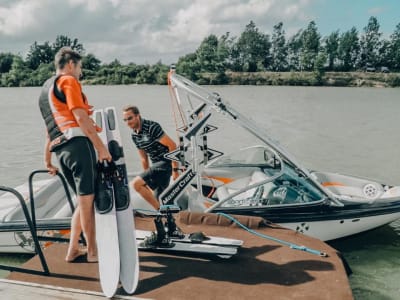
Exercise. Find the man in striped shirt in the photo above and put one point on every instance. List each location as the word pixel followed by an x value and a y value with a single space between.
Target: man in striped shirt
pixel 152 143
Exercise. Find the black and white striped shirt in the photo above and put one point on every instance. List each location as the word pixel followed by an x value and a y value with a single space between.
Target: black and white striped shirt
pixel 147 139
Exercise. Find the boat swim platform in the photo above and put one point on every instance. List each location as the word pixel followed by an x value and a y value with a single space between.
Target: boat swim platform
pixel 261 269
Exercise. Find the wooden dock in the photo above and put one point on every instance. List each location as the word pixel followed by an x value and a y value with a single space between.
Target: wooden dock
pixel 262 269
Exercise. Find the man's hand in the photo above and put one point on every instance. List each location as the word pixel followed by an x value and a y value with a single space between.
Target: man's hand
pixel 175 173
pixel 52 170
pixel 104 154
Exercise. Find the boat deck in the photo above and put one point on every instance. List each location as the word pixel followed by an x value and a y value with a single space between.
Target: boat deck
pixel 261 269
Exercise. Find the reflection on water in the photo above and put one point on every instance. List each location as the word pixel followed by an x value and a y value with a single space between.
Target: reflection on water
pixel 12 260
pixel 375 263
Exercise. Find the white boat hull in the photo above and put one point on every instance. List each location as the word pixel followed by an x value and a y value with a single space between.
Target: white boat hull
pixel 335 229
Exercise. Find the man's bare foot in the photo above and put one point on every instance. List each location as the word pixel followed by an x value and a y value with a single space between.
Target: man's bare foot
pixel 75 254
pixel 92 258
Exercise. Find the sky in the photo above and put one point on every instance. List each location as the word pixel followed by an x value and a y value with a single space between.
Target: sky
pixel 148 31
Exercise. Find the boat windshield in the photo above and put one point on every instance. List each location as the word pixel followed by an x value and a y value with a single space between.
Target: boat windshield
pixel 260 178
pixel 257 156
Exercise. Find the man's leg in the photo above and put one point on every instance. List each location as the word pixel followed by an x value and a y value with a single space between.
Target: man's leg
pixel 73 249
pixel 78 159
pixel 88 225
pixel 83 220
pixel 143 189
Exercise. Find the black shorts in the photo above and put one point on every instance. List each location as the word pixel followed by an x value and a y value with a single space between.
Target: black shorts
pixel 157 177
pixel 77 159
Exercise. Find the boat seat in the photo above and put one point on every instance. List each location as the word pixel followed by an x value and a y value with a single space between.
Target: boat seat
pixel 356 188
pixel 251 196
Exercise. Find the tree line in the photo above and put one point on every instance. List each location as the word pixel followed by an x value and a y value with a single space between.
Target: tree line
pixel 251 52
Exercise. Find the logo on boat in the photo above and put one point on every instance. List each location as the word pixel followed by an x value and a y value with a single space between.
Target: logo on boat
pixel 24 240
pixel 179 185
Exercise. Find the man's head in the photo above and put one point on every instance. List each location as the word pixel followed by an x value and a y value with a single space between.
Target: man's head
pixel 68 61
pixel 131 116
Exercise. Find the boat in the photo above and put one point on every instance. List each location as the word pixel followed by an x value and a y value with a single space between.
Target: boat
pixel 266 180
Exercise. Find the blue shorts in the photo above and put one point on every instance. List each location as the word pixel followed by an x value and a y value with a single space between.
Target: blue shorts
pixel 77 159
pixel 157 177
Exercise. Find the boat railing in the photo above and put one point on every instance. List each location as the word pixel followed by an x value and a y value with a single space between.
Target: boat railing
pixel 31 193
pixel 32 229
pixel 31 221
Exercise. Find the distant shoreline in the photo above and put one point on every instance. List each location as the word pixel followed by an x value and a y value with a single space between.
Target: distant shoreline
pixel 332 79
pixel 342 79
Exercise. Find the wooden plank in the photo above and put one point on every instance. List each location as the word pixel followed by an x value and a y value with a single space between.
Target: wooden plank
pixel 16 290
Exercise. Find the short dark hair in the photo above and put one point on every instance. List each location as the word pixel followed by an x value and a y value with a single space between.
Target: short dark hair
pixel 131 108
pixel 64 55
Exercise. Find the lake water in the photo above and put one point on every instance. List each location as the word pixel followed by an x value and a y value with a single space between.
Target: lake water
pixel 346 130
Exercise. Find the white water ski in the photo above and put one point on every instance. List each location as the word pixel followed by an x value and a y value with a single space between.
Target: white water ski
pixel 107 233
pixel 212 240
pixel 128 252
pixel 179 247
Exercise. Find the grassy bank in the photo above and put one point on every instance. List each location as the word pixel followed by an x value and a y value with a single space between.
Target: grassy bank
pixel 350 79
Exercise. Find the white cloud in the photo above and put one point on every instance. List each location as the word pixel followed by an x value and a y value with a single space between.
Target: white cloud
pixel 140 30
pixel 373 11
pixel 93 5
pixel 18 17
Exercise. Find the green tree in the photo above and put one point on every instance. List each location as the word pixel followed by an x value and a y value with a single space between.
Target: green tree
pixel 295 44
pixel 160 73
pixel 253 48
pixel 310 46
pixel 91 62
pixel 39 54
pixel 349 49
pixel 332 49
pixel 279 51
pixel 19 74
pixel 225 43
pixel 188 66
pixel 6 60
pixel 44 53
pixel 395 48
pixel 370 43
pixel 236 64
pixel 65 41
pixel 384 54
pixel 207 54
pixel 319 67
pixel 41 74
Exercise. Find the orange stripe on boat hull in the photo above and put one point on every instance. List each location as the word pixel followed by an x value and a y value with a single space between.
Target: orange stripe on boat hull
pixel 225 180
pixel 332 183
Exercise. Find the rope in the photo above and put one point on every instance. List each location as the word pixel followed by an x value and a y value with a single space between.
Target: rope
pixel 264 236
pixel 147 210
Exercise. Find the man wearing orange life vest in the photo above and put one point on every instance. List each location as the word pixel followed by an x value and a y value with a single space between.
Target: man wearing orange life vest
pixel 72 136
